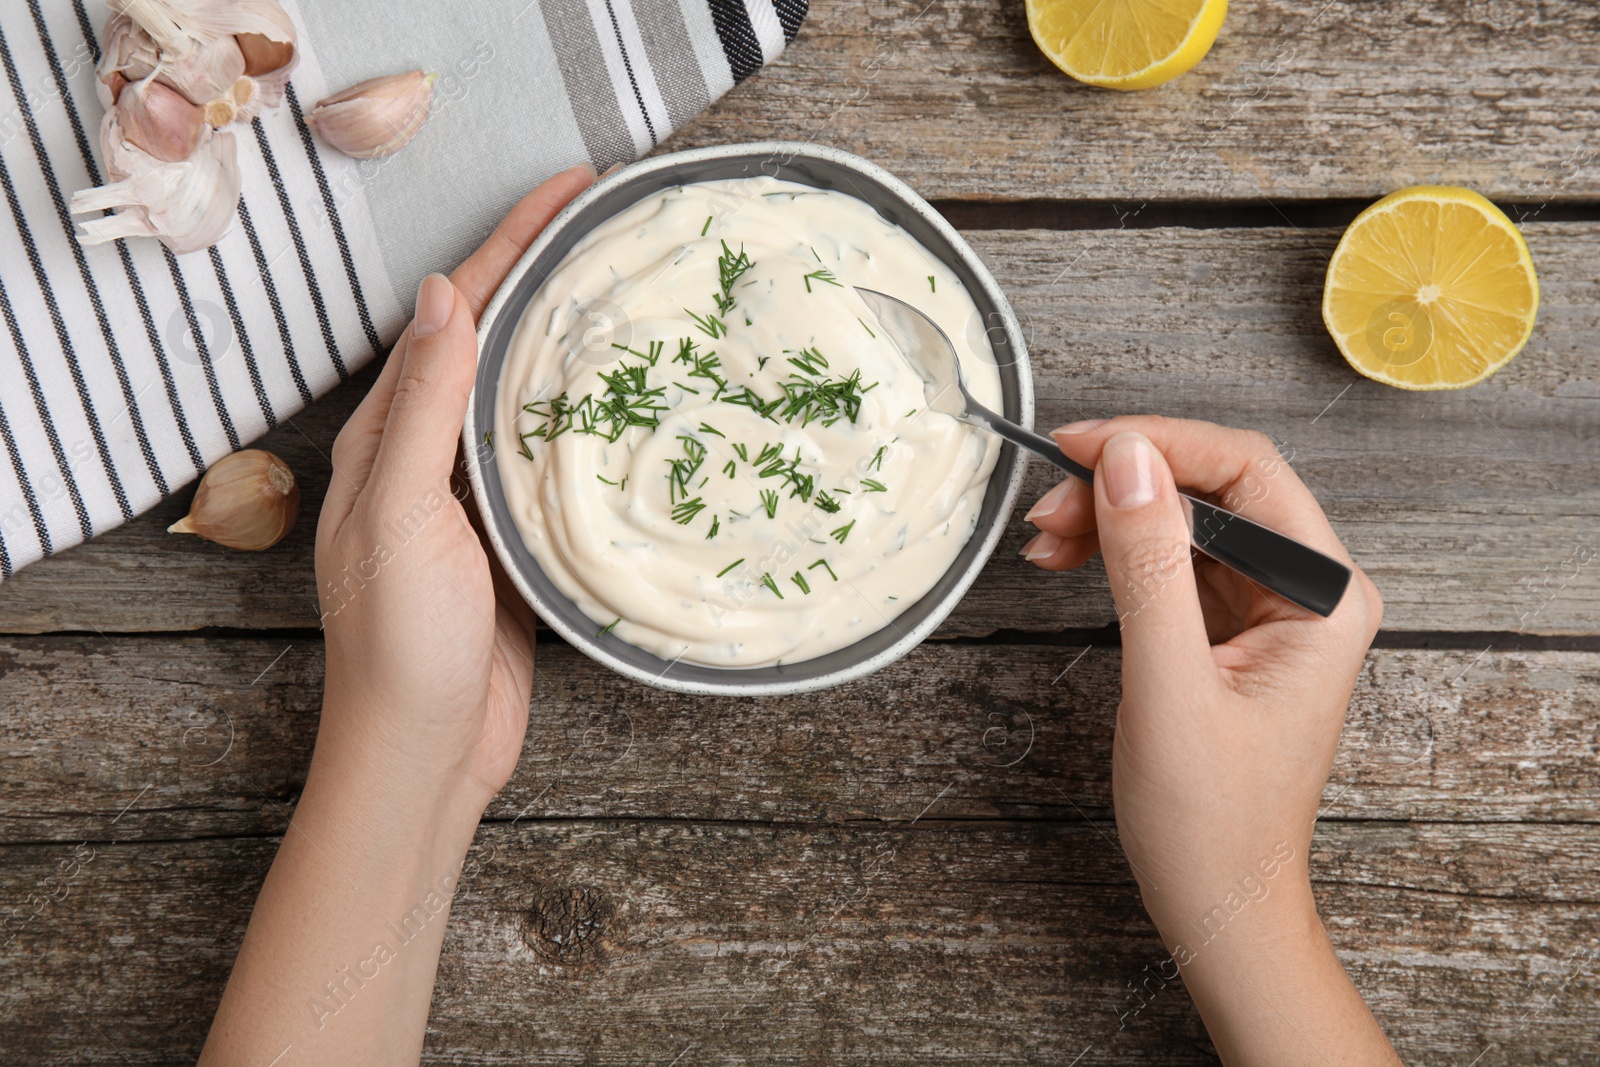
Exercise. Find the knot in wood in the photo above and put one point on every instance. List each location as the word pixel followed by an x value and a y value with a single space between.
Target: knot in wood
pixel 567 924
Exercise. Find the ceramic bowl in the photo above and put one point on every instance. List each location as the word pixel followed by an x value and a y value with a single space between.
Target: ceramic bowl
pixel 807 164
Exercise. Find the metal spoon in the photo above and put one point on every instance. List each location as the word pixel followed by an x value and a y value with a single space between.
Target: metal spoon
pixel 1296 572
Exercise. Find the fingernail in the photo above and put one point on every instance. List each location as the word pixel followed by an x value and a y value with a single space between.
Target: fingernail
pixel 436 299
pixel 612 170
pixel 589 167
pixel 1129 467
pixel 1042 546
pixel 1050 503
pixel 1083 426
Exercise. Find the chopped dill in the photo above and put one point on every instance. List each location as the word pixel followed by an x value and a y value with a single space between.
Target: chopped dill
pixel 681 470
pixel 824 565
pixel 488 440
pixel 842 532
pixel 729 469
pixel 810 361
pixel 708 428
pixel 707 226
pixel 823 275
pixel 703 366
pixel 828 503
pixel 685 512
pixel 730 566
pixel 716 524
pixel 628 401
pixel 766 580
pixel 742 453
pixel 603 478
pixel 877 458
pixel 649 357
pixel 749 398
pixel 932 288
pixel 800 580
pixel 710 325
pixel 872 485
pixel 730 268
pixel 864 326
pixel 761 362
pixel 822 399
pixel 609 628
pixel 769 500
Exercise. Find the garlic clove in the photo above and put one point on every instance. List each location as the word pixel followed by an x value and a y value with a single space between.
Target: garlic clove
pixel 189 205
pixel 129 55
pixel 247 500
pixel 160 121
pixel 263 55
pixel 377 117
pixel 110 89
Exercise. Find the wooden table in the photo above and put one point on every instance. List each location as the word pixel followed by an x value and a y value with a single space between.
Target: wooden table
pixel 921 867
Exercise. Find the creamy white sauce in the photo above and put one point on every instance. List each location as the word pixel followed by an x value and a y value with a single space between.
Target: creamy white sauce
pixel 601 516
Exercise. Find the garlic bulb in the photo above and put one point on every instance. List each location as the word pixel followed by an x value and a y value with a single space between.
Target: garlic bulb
pixel 377 117
pixel 188 204
pixel 172 74
pixel 246 500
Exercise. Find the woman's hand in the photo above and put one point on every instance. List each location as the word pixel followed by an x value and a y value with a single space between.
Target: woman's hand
pixel 425 662
pixel 1232 702
pixel 424 708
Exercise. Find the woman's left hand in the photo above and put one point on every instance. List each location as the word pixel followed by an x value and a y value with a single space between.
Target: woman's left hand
pixel 428 668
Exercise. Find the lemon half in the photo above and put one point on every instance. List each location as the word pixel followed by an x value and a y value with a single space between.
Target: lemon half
pixel 1432 287
pixel 1125 44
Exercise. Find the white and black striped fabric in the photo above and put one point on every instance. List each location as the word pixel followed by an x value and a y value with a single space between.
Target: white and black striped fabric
pixel 126 370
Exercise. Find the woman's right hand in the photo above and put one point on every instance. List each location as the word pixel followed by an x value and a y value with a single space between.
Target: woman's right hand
pixel 1232 703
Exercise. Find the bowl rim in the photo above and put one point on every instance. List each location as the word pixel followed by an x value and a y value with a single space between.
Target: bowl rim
pixel 584 642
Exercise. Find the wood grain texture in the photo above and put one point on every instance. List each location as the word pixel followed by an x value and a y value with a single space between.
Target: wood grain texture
pixel 626 942
pixel 1344 98
pixel 1471 510
pixel 158 738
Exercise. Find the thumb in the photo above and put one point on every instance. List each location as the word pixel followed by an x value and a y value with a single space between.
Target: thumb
pixel 430 393
pixel 1144 538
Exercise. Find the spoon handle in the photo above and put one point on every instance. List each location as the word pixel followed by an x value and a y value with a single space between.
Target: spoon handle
pixel 1296 572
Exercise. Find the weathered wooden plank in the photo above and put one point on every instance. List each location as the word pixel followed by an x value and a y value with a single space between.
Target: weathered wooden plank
pixel 612 943
pixel 1472 511
pixel 141 738
pixel 1344 98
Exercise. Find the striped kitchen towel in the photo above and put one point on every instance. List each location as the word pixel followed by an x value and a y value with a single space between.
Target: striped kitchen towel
pixel 125 370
